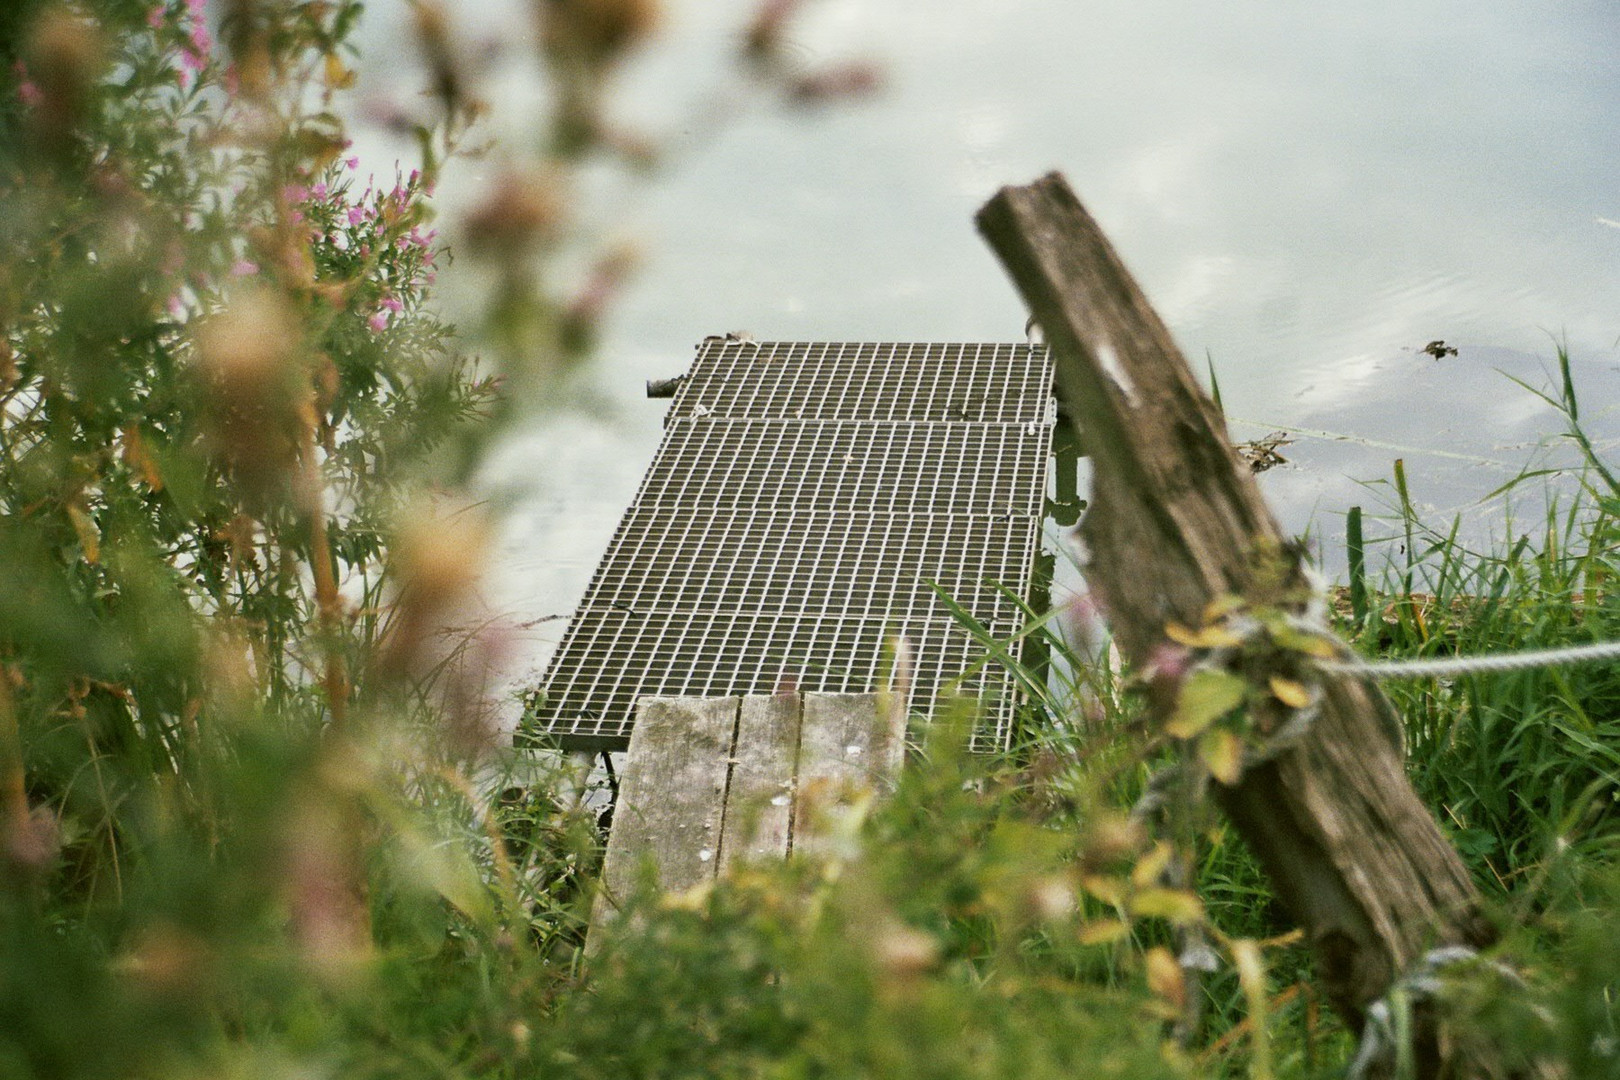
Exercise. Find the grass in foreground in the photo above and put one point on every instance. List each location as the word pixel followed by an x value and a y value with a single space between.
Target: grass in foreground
pixel 997 917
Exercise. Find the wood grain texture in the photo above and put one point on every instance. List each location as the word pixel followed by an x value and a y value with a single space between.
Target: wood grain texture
pixel 1173 523
pixel 671 795
pixel 848 748
pixel 759 800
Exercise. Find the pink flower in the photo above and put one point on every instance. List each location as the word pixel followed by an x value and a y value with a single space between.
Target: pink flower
pixel 378 322
pixel 356 215
pixel 26 89
pixel 244 268
pixel 1168 663
pixel 295 193
pixel 318 191
pixel 352 163
pixel 195 53
pixel 154 18
pixel 176 309
pixel 392 304
pixel 417 238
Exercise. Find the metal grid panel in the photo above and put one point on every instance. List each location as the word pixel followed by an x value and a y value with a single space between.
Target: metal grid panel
pixel 850 466
pixel 917 383
pixel 803 498
pixel 613 657
pixel 816 563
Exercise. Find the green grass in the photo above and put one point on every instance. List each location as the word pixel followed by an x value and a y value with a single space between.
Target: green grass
pixel 1000 915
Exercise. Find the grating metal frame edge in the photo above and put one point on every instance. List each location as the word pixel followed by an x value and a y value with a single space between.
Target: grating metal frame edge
pixel 1030 420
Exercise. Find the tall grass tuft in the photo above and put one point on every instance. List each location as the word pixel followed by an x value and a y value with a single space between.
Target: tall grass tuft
pixel 1523 767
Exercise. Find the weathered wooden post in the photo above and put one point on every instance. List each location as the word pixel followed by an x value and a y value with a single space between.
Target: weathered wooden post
pixel 1174 523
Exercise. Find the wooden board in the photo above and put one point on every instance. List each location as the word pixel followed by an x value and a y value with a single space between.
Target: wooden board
pixel 671 795
pixel 759 801
pixel 847 748
pixel 710 783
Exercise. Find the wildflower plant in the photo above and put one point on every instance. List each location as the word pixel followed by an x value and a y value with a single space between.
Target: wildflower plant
pixel 241 830
pixel 221 388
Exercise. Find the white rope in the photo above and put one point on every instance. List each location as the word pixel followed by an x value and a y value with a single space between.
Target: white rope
pixel 1473 665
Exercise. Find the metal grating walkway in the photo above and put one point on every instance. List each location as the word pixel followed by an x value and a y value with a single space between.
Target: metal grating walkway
pixel 803 497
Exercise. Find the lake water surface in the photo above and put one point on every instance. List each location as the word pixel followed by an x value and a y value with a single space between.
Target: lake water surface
pixel 1309 193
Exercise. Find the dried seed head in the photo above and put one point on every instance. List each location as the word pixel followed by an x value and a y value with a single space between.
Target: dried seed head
pixel 1111 844
pixel 903 952
pixel 436 560
pixel 228 667
pixel 65 57
pixel 30 840
pixel 764 37
pixel 1050 898
pixel 1165 978
pixel 440 558
pixel 438 52
pixel 168 961
pixel 248 350
pixel 855 79
pixel 323 879
pixel 246 28
pixel 248 361
pixel 521 210
pixel 598 31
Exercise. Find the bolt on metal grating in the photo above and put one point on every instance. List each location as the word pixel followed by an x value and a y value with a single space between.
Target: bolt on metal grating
pixel 804 498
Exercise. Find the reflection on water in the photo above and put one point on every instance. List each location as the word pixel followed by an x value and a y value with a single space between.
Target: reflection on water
pixel 1309 193
pixel 1461 424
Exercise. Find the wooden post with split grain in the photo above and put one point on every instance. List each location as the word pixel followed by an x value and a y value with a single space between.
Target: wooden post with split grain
pixel 1175 522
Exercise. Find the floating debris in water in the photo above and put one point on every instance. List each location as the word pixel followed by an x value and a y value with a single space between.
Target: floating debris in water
pixel 1439 350
pixel 1261 454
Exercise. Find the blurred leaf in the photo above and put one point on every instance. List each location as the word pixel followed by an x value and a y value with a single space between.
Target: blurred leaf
pixel 1222 753
pixel 1103 932
pixel 1285 636
pixel 1205 697
pixel 1290 693
pixel 1164 977
pixel 1176 905
pixel 1211 636
pixel 446 868
pixel 1222 606
pixel 89 536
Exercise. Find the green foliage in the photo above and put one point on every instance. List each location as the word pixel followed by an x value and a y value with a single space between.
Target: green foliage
pixel 249 821
pixel 944 944
pixel 1521 766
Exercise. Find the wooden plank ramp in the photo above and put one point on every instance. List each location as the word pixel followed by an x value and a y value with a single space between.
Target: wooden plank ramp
pixel 710 783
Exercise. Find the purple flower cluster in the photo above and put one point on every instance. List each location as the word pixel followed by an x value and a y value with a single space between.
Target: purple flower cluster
pixel 379 234
pixel 197 48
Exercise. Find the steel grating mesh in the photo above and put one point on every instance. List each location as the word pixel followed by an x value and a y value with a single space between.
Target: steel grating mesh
pixel 803 498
